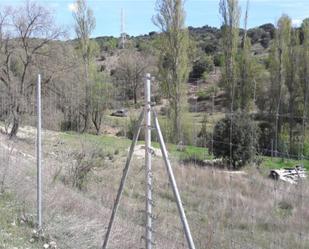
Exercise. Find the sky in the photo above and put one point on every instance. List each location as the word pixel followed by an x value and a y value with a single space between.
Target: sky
pixel 138 13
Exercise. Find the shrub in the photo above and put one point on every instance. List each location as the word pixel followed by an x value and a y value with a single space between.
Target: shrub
pixel 157 99
pixel 202 96
pixel 204 64
pixel 244 140
pixel 207 94
pixel 164 111
pixel 69 125
pixel 85 161
pixel 218 60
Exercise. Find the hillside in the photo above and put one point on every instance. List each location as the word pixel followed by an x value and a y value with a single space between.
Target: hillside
pixel 244 207
pixel 233 110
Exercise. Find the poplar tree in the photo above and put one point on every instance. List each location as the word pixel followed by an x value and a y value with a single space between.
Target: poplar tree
pixel 173 58
pixel 246 72
pixel 304 74
pixel 278 70
pixel 84 26
pixel 230 13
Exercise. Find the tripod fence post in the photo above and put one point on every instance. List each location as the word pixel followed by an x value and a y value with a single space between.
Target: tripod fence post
pixel 148 169
pixel 123 181
pixel 173 184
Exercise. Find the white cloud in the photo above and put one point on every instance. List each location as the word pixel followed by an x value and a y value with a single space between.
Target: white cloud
pixel 297 22
pixel 72 7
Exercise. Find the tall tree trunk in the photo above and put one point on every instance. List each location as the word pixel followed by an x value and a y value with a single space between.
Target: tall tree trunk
pixel 87 100
pixel 16 122
pixel 97 120
pixel 177 123
pixel 291 125
pixel 135 96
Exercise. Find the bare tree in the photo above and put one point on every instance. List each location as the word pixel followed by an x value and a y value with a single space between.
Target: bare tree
pixel 26 33
pixel 131 70
pixel 101 98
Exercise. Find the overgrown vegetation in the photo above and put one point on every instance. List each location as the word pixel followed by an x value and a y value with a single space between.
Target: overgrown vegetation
pixel 235 139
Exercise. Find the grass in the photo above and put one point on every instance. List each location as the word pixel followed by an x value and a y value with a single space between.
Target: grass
pixel 111 144
pixel 107 143
pixel 220 207
pixel 279 163
pixel 12 233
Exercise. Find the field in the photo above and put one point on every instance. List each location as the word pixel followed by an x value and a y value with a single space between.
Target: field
pixel 226 209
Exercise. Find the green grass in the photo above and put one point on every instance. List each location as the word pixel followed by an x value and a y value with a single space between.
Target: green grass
pixel 190 152
pixel 106 143
pixel 278 163
pixel 13 234
pixel 111 144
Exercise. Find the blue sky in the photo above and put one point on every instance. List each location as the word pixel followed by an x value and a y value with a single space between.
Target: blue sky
pixel 138 13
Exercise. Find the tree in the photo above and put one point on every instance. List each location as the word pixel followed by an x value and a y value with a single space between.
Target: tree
pixel 173 46
pixel 84 26
pixel 278 69
pixel 230 12
pixel 26 38
pixel 293 86
pixel 244 140
pixel 102 92
pixel 304 76
pixel 130 72
pixel 244 93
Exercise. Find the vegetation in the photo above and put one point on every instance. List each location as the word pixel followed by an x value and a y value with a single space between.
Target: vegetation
pixel 237 145
pixel 233 104
pixel 20 57
pixel 85 24
pixel 173 60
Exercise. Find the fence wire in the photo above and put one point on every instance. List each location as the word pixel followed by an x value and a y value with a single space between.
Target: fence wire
pixel 226 209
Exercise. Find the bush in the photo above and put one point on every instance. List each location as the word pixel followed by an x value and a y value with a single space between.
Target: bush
pixel 218 60
pixel 207 94
pixel 85 161
pixel 69 125
pixel 204 65
pixel 157 99
pixel 244 140
pixel 203 95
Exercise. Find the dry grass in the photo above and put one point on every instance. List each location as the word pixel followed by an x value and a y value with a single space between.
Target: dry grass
pixel 225 210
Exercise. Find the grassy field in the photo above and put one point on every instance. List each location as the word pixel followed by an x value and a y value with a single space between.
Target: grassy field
pixel 114 145
pixel 244 208
pixel 13 232
pixel 277 163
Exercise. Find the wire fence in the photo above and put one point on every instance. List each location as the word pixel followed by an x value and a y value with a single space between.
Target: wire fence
pixel 226 209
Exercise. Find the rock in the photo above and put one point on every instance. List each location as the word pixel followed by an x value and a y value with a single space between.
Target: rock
pixel 53 244
pixel 139 151
pixel 46 246
pixel 290 175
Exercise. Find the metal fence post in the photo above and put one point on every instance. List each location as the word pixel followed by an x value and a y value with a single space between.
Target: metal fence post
pixel 123 181
pixel 39 155
pixel 174 184
pixel 148 169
